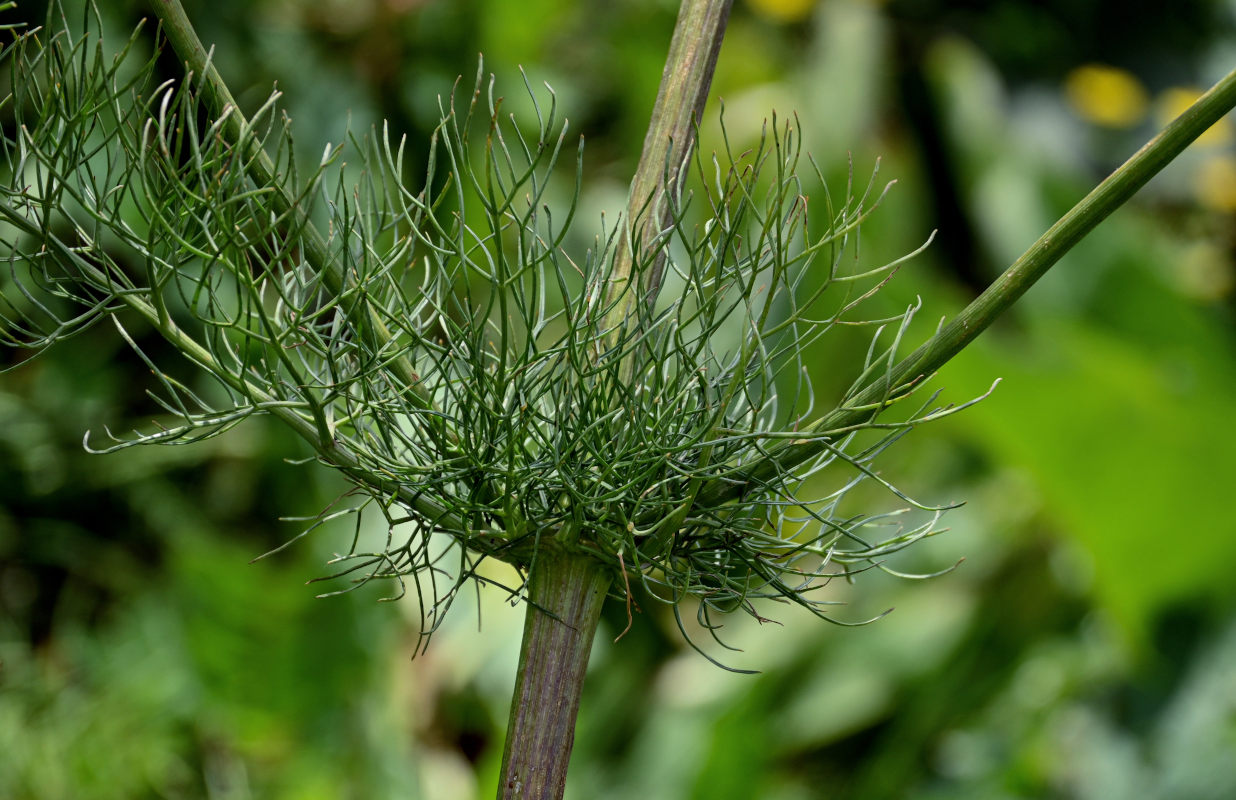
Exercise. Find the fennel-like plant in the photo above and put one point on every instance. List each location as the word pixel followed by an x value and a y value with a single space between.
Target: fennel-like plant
pixel 636 414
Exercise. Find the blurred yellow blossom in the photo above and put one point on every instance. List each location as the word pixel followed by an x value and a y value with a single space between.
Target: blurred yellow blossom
pixel 783 10
pixel 1106 95
pixel 1215 182
pixel 1203 271
pixel 1172 102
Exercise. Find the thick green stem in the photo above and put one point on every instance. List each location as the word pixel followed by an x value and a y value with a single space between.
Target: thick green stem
pixel 1109 195
pixel 566 593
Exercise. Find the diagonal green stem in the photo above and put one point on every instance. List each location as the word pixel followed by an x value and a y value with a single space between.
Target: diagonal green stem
pixel 1109 195
pixel 184 40
pixel 685 82
pixel 290 413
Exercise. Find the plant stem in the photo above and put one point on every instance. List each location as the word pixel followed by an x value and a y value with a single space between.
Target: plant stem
pixel 1095 207
pixel 566 593
pixel 685 82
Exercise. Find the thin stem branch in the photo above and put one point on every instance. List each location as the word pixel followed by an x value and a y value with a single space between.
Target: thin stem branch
pixel 193 350
pixel 566 593
pixel 1095 207
pixel 184 40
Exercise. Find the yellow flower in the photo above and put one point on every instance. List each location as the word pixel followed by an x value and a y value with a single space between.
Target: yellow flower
pixel 1203 271
pixel 783 10
pixel 1106 95
pixel 1175 100
pixel 1215 183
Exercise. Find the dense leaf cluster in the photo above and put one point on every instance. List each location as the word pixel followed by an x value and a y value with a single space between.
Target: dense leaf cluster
pixel 482 380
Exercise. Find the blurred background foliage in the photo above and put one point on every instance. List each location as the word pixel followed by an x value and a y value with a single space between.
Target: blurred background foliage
pixel 1086 648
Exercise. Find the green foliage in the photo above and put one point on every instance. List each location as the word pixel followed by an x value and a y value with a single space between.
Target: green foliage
pixel 169 693
pixel 1008 679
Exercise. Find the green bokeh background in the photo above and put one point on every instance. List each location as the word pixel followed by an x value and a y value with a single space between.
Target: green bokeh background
pixel 1085 648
